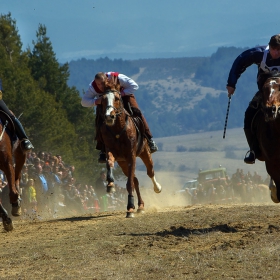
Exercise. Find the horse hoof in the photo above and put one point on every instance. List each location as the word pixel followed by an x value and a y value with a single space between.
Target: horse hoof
pixel 8 225
pixel 16 211
pixel 273 193
pixel 111 189
pixel 140 211
pixel 157 188
pixel 129 215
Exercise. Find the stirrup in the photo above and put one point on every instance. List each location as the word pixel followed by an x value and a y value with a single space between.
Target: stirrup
pixel 153 146
pixel 26 144
pixel 251 158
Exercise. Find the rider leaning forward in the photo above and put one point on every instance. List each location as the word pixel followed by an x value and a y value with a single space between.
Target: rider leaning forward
pixel 26 144
pixel 267 58
pixel 92 97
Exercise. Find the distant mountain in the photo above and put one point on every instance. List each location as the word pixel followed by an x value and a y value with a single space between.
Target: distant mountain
pixel 178 95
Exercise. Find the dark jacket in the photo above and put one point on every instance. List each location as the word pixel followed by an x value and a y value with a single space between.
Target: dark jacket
pixel 246 59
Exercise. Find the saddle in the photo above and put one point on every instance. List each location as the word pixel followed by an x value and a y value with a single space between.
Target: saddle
pixel 136 117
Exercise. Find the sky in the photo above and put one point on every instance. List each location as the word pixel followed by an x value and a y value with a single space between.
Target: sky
pixel 133 29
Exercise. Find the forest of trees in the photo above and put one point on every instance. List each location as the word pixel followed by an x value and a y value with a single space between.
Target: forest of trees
pixel 35 85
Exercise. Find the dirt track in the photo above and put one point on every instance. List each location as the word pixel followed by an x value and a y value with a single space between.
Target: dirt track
pixel 194 242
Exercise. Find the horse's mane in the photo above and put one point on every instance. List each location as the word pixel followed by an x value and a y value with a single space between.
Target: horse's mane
pixel 264 76
pixel 110 85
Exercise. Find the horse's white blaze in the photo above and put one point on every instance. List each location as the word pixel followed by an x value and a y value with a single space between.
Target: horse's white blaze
pixel 110 105
pixel 272 89
pixel 157 186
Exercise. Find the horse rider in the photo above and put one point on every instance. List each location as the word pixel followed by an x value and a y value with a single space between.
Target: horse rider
pixel 26 144
pixel 92 97
pixel 267 59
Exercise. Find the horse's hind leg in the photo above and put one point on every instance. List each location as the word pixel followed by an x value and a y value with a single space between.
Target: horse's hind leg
pixel 13 191
pixel 130 205
pixel 19 157
pixel 147 159
pixel 7 222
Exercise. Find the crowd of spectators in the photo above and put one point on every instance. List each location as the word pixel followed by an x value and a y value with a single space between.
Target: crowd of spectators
pixel 49 188
pixel 241 187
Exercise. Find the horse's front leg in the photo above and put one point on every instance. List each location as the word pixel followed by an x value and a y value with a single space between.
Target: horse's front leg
pixel 130 186
pixel 110 176
pixel 7 222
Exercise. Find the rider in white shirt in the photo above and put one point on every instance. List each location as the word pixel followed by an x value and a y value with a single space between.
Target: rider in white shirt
pixel 128 86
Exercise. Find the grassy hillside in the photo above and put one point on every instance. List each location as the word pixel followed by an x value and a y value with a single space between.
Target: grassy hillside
pixel 169 162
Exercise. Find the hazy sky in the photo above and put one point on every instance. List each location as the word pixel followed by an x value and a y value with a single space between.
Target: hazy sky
pixel 144 28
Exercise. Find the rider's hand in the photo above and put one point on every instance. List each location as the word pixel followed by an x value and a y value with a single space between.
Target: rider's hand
pixel 97 101
pixel 230 90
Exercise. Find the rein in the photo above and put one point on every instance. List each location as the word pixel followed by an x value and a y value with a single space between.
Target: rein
pixel 123 130
pixel 118 112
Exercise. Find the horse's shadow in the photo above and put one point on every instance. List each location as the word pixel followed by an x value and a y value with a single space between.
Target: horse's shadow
pixel 79 219
pixel 185 232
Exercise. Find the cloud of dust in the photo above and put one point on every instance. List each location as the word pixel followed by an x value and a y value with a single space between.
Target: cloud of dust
pixel 169 195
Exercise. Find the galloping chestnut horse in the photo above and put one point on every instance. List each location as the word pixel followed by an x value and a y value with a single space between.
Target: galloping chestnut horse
pixel 12 158
pixel 124 142
pixel 268 131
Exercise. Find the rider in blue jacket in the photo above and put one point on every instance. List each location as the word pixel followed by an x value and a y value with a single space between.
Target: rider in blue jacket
pixel 267 59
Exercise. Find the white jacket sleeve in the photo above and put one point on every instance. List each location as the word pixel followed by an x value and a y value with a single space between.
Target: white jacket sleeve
pixel 88 99
pixel 129 85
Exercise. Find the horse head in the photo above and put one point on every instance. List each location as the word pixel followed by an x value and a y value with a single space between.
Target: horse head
pixel 111 104
pixel 271 96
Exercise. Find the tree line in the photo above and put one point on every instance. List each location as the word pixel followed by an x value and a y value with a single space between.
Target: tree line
pixel 35 87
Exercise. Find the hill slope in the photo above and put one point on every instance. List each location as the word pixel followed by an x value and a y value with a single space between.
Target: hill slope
pixel 181 95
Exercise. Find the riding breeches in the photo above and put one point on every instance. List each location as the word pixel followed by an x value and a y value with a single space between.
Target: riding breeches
pixel 130 101
pixel 3 107
pixel 252 110
pixel 98 123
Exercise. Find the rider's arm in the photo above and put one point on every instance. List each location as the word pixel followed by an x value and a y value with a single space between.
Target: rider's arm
pixel 242 62
pixel 90 98
pixel 128 85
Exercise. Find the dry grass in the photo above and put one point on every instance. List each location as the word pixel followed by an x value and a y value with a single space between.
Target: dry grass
pixel 192 242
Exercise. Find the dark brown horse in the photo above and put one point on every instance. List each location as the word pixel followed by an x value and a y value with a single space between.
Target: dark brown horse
pixel 124 142
pixel 268 131
pixel 12 158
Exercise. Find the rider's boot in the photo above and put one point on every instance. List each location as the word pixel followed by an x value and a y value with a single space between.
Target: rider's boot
pixel 101 147
pixel 26 144
pixel 250 156
pixel 102 157
pixel 152 145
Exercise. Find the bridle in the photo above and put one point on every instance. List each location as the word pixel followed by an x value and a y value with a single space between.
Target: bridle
pixel 118 111
pixel 274 108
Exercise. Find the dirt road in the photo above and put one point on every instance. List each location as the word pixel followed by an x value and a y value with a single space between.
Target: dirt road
pixel 194 242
